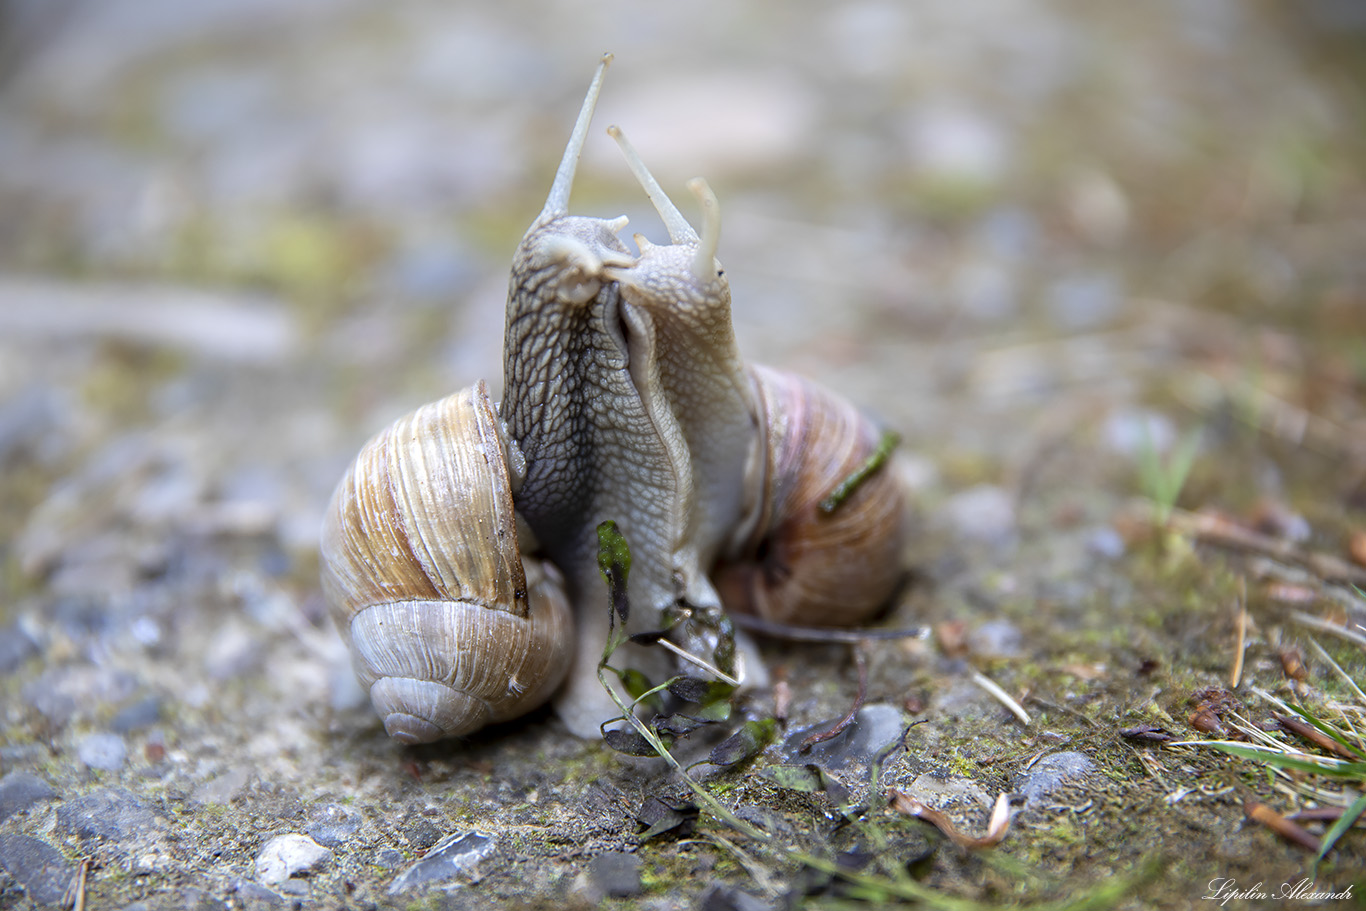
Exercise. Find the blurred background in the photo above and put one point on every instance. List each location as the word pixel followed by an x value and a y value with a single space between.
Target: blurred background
pixel 237 237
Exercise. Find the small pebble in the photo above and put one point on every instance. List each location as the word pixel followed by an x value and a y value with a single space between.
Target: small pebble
pixel 141 714
pixel 616 874
pixel 725 898
pixel 1052 772
pixel 996 639
pixel 457 858
pixel 61 694
pixel 222 788
pixel 1134 432
pixel 389 858
pixel 1080 302
pixel 874 728
pixel 15 648
pixel 947 792
pixel 333 824
pixel 984 513
pixel 112 814
pixel 37 866
pixel 256 896
pixel 105 752
pixel 1105 541
pixel 289 855
pixel 20 790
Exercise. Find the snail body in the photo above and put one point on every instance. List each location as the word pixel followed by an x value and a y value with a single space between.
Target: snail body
pixel 625 398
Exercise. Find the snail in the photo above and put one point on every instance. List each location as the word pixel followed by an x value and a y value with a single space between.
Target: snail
pixel 459 553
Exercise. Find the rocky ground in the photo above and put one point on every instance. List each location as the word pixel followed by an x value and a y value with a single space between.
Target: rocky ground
pixel 1068 251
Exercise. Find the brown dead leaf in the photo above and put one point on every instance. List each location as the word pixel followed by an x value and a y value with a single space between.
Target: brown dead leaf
pixel 997 827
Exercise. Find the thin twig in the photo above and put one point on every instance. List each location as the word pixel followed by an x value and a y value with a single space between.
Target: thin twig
pixel 74 897
pixel 1338 668
pixel 1313 735
pixel 848 718
pixel 1328 627
pixel 693 659
pixel 1001 696
pixel 775 630
pixel 1221 532
pixel 1260 812
pixel 1236 676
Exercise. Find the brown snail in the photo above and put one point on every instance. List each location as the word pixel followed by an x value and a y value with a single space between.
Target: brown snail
pixel 625 398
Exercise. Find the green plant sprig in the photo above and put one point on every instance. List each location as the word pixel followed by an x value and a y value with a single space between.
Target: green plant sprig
pixel 613 555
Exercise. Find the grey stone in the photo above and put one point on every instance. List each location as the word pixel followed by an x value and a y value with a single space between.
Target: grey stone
pixel 112 814
pixel 420 832
pixel 180 900
pixel 15 648
pixel 1052 772
pixel 222 788
pixel 35 422
pixel 874 728
pixel 725 898
pixel 37 866
pixel 984 513
pixel 389 858
pixel 1135 431
pixel 616 874
pixel 1084 301
pixel 333 824
pixel 63 693
pixel 289 855
pixel 995 639
pixel 141 714
pixel 253 896
pixel 20 790
pixel 947 792
pixel 1105 541
pixel 455 860
pixel 103 751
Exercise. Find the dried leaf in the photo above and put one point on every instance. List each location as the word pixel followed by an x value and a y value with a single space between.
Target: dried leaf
pixel 996 828
pixel 1146 733
pixel 661 817
pixel 628 741
pixel 690 689
pixel 745 743
pixel 677 724
pixel 834 788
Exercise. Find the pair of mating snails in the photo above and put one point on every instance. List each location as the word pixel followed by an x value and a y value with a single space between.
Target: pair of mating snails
pixel 459 552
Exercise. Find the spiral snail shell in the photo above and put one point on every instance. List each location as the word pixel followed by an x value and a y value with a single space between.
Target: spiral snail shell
pixel 456 545
pixel 420 548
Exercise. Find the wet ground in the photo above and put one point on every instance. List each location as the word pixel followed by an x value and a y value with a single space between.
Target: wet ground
pixel 1063 250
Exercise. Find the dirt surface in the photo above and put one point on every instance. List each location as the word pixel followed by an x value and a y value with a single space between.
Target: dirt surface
pixel 1063 248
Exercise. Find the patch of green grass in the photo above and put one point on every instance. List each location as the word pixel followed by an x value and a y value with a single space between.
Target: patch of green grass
pixel 1160 477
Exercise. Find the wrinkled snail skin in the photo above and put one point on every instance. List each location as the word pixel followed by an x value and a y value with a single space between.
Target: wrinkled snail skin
pixel 450 627
pixel 767 446
pixel 625 398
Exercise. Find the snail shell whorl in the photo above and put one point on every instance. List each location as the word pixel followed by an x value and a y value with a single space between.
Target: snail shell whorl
pixel 450 628
pixel 802 566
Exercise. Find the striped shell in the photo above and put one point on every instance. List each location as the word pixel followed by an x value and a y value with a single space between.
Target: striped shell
pixel 450 627
pixel 802 566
